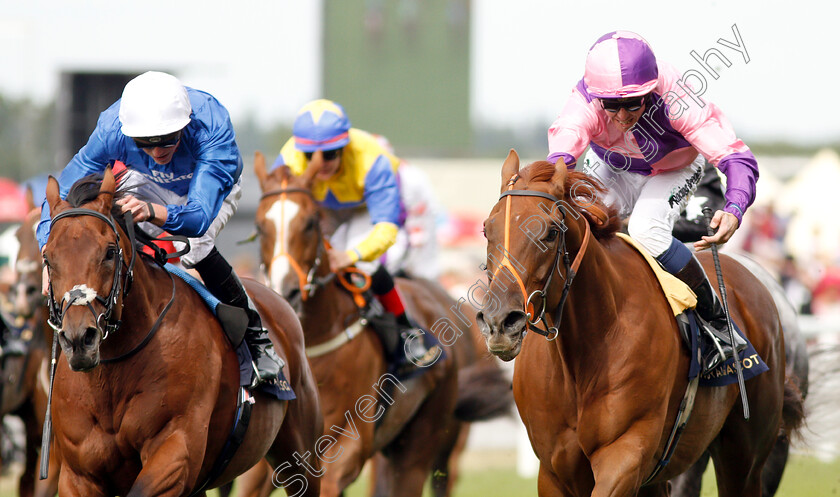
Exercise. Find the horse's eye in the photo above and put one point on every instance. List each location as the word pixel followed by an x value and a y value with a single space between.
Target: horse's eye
pixel 552 235
pixel 311 224
pixel 110 253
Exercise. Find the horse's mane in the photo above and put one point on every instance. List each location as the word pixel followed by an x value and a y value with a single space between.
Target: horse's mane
pixel 87 188
pixel 579 189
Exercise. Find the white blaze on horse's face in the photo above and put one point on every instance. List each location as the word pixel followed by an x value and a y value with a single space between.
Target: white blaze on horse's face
pixel 281 214
pixel 88 295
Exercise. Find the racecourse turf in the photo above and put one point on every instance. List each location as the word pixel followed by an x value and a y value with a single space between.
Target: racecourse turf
pixel 804 477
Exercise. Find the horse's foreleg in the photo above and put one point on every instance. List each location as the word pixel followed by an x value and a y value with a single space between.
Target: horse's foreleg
pixel 73 485
pixel 166 469
pixel 617 468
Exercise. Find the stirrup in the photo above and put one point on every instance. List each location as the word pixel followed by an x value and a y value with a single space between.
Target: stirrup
pixel 724 350
pixel 415 349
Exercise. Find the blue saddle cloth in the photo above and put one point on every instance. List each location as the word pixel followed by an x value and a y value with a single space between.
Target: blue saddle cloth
pixel 281 389
pixel 752 364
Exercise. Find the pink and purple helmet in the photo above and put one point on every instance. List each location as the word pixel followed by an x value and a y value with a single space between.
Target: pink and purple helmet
pixel 620 64
pixel 321 125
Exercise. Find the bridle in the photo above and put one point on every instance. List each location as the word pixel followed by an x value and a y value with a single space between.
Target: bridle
pixel 307 281
pixel 533 317
pixel 78 296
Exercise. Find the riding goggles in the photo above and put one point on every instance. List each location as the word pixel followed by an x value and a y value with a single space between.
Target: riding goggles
pixel 629 104
pixel 326 154
pixel 163 141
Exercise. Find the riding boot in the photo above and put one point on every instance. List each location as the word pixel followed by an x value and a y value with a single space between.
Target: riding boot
pixel 711 311
pixel 406 349
pixel 223 283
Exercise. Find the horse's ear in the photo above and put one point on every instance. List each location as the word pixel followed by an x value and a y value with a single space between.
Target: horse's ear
pixel 30 199
pixel 53 196
pixel 107 190
pixel 308 176
pixel 509 168
pixel 259 168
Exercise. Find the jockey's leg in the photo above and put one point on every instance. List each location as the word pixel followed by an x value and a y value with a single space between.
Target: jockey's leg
pixel 403 345
pixel 661 199
pixel 683 264
pixel 223 283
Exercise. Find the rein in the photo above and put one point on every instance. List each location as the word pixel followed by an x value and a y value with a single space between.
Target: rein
pixel 79 295
pixel 533 317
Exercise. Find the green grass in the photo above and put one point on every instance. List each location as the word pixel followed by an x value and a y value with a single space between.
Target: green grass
pixel 804 477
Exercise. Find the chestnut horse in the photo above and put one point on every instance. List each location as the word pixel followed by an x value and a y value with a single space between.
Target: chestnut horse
pixel 146 408
pixel 689 483
pixel 28 398
pixel 600 393
pixel 419 429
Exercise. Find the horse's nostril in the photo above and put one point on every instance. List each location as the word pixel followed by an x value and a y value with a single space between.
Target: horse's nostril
pixel 514 319
pixel 90 336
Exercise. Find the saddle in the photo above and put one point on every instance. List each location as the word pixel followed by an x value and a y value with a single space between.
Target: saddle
pixel 391 333
pixel 682 301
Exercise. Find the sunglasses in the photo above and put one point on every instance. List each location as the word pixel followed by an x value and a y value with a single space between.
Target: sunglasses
pixel 163 141
pixel 326 154
pixel 629 104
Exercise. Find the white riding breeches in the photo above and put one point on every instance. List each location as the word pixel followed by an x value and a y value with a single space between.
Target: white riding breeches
pixel 352 227
pixel 652 203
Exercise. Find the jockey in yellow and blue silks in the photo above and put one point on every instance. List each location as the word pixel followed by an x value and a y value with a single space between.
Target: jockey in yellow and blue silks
pixel 183 169
pixel 358 188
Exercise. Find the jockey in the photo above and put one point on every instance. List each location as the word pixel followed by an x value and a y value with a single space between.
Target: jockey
pixel 648 137
pixel 184 172
pixel 357 186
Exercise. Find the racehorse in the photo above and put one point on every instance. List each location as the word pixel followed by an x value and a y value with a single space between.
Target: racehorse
pixel 600 393
pixel 689 483
pixel 25 395
pixel 146 390
pixel 422 423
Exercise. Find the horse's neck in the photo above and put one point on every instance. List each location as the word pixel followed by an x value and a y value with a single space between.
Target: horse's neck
pixel 324 313
pixel 594 300
pixel 147 297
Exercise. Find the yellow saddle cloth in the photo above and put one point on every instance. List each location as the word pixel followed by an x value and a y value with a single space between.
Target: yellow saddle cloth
pixel 679 295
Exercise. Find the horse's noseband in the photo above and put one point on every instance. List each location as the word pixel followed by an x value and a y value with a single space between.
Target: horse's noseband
pixel 538 314
pixel 82 295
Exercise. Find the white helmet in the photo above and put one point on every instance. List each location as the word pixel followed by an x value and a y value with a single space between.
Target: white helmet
pixel 154 104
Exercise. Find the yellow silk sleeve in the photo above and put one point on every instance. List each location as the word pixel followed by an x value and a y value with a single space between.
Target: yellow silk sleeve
pixel 380 239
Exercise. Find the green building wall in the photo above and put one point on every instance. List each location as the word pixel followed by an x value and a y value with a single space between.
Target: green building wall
pixel 400 68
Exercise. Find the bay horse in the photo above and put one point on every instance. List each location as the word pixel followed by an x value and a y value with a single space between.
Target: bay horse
pixel 600 393
pixel 424 418
pixel 146 409
pixel 27 396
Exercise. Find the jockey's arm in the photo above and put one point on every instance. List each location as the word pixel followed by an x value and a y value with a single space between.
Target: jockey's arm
pixel 570 133
pixel 382 197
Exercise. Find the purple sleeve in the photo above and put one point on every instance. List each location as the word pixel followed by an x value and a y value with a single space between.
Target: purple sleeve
pixel 741 170
pixel 569 159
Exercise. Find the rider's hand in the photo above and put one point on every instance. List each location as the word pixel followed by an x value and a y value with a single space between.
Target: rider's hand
pixel 141 210
pixel 725 223
pixel 45 277
pixel 339 259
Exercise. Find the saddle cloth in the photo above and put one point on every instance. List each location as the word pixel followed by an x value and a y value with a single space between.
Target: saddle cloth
pixel 282 390
pixel 679 295
pixel 681 299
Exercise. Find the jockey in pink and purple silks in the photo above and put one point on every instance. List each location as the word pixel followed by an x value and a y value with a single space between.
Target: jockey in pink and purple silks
pixel 648 137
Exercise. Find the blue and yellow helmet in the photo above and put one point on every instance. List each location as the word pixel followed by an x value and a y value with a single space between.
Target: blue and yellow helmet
pixel 321 125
